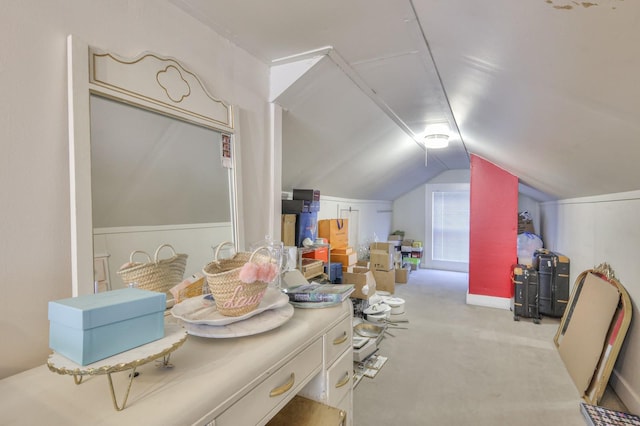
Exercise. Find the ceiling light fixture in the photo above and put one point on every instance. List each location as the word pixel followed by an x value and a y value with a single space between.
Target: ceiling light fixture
pixel 436 141
pixel 436 136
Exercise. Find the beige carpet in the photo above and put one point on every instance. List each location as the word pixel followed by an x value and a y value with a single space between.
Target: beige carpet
pixel 458 364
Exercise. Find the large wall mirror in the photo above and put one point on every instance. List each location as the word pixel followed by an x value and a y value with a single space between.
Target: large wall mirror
pixel 152 161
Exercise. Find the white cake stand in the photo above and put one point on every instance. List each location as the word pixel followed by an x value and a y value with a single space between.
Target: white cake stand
pixel 174 337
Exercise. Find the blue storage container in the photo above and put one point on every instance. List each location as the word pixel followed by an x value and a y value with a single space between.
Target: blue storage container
pixel 92 327
pixel 306 227
pixel 334 270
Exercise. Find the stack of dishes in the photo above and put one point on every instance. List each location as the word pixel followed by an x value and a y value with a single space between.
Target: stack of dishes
pixel 200 317
pixel 378 312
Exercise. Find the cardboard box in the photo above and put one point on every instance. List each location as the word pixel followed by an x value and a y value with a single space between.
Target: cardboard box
pixel 345 259
pixel 288 229
pixel 348 267
pixel 396 244
pixel 385 280
pixel 386 246
pixel 311 267
pixel 92 327
pixel 336 231
pixel 402 275
pixel 364 264
pixel 360 277
pixel 342 250
pixel 381 260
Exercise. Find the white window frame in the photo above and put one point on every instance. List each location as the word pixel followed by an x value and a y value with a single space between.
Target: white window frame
pixel 427 253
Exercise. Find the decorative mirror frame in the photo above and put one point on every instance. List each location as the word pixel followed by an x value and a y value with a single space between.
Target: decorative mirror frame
pixel 153 82
pixel 615 336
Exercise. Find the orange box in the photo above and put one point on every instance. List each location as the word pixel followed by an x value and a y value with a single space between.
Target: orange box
pixel 320 253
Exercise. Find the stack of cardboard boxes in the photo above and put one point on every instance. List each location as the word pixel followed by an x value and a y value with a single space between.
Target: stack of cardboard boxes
pixel 382 261
pixel 336 233
pixel 402 259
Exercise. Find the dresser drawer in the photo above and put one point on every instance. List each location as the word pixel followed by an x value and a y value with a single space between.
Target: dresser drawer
pixel 272 394
pixel 340 379
pixel 337 340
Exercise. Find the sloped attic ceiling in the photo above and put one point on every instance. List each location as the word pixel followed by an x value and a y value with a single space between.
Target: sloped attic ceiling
pixel 545 89
pixel 336 138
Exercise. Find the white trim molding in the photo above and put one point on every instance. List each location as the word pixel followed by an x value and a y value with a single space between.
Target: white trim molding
pixel 488 301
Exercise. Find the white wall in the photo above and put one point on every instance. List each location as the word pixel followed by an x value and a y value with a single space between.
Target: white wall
pixel 593 230
pixel 35 264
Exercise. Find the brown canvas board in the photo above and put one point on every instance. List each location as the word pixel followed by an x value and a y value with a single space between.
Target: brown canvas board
pixel 585 336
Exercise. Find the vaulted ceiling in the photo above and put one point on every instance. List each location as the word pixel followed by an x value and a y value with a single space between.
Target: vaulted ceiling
pixel 544 89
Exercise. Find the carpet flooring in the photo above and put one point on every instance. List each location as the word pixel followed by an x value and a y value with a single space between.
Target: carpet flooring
pixel 459 364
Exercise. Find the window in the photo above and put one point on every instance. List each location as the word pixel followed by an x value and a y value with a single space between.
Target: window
pixel 450 226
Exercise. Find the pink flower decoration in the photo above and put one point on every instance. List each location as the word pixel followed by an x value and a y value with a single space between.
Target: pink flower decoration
pixel 249 273
pixel 273 272
pixel 268 272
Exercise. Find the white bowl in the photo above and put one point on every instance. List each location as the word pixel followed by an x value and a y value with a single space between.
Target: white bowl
pixel 378 311
pixel 396 304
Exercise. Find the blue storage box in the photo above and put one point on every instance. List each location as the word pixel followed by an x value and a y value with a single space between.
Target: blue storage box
pixel 306 227
pixel 334 270
pixel 92 327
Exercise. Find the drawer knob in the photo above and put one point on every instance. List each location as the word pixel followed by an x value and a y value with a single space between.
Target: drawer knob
pixel 341 339
pixel 282 389
pixel 343 381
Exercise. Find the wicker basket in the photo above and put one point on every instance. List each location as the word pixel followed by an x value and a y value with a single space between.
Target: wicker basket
pixel 232 296
pixel 156 275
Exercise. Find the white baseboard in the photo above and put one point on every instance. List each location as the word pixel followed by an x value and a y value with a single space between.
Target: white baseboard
pixel 627 395
pixel 488 301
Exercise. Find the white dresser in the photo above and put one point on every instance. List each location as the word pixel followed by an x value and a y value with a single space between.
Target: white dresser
pixel 237 381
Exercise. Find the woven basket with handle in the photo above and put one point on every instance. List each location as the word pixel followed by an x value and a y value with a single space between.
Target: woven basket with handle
pixel 156 275
pixel 232 296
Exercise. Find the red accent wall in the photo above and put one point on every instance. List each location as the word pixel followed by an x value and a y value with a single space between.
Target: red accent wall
pixel 493 230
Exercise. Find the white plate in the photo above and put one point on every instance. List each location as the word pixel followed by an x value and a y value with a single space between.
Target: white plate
pixel 202 309
pixel 265 321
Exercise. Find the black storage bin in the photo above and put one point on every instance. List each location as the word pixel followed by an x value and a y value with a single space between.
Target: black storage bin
pixel 306 194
